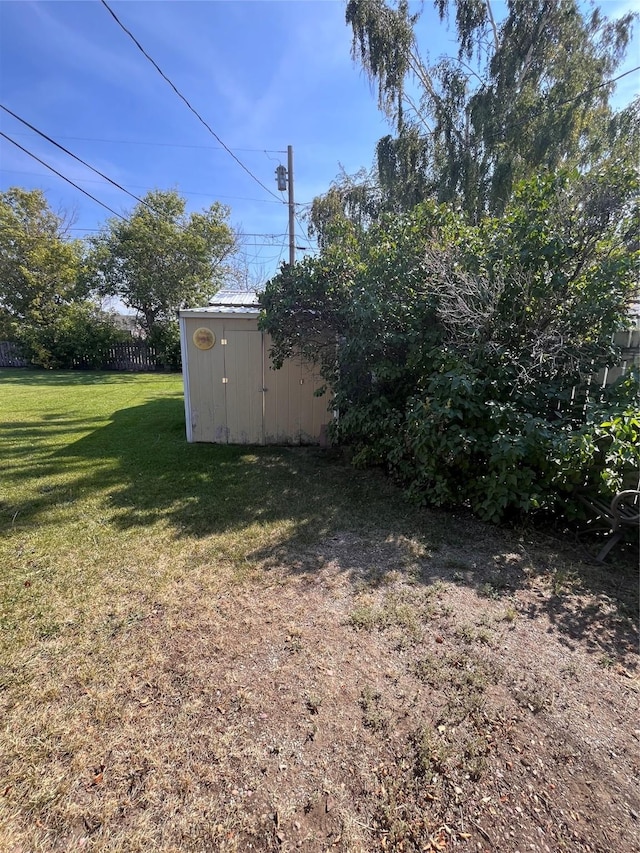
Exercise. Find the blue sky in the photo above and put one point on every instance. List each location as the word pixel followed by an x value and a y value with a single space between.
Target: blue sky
pixel 263 74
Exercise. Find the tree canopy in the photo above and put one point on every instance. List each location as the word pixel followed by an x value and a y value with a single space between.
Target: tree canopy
pixel 155 261
pixel 39 264
pixel 160 258
pixel 43 304
pixel 525 92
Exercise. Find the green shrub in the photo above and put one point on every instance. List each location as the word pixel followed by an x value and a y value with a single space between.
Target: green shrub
pixel 459 353
pixel 460 445
pixel 165 339
pixel 77 335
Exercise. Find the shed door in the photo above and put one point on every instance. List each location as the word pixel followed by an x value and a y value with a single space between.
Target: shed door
pixel 243 387
pixel 292 412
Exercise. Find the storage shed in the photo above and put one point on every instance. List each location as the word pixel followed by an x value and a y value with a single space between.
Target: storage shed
pixel 232 393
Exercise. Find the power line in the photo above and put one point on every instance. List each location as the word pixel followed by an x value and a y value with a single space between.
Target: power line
pixel 75 157
pixel 504 131
pixel 284 243
pixel 271 245
pixel 211 194
pixel 168 144
pixel 273 237
pixel 305 233
pixel 599 86
pixel 258 261
pixel 182 97
pixel 60 175
pixel 247 254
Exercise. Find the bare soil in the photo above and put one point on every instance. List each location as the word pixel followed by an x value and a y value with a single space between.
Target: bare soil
pixel 366 693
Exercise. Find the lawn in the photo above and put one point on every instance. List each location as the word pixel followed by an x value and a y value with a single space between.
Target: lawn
pixel 208 648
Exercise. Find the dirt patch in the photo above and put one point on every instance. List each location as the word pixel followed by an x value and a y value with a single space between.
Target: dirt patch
pixel 368 693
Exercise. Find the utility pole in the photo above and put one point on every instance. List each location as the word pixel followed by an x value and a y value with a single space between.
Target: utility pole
pixel 284 180
pixel 292 209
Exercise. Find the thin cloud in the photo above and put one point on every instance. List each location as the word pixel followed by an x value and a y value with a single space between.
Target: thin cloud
pixel 91 56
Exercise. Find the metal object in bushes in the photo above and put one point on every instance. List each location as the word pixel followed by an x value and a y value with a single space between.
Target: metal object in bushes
pixel 624 510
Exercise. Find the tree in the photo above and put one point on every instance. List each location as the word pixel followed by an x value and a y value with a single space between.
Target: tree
pixel 161 259
pixel 525 93
pixel 356 197
pixel 43 305
pixel 39 265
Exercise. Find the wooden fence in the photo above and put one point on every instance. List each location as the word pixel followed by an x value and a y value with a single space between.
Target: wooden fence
pixel 10 355
pixel 629 343
pixel 134 356
pixel 591 391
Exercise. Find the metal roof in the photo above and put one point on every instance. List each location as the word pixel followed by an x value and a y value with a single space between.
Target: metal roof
pixel 235 298
pixel 226 303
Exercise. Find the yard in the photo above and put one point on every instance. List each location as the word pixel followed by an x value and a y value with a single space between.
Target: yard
pixel 208 648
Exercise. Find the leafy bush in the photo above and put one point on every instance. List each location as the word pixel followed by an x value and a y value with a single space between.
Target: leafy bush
pixel 77 335
pixel 462 445
pixel 603 455
pixel 459 354
pixel 165 339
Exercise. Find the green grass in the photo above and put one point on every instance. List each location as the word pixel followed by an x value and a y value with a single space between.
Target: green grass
pixel 102 499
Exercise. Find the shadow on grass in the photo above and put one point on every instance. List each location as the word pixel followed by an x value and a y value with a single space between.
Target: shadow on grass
pixel 496 563
pixel 24 433
pixel 141 461
pixel 142 466
pixel 26 376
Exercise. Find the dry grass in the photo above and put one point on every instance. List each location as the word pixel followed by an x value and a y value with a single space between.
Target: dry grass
pixel 210 649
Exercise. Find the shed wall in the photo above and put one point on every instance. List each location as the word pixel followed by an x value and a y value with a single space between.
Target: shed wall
pixel 234 396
